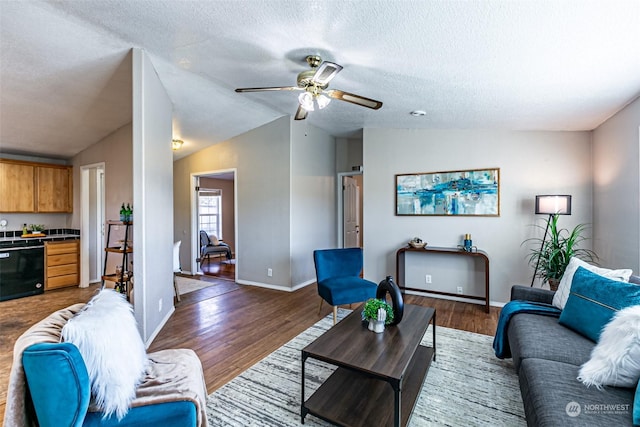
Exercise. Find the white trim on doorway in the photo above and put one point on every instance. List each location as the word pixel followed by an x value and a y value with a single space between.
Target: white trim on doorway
pixel 339 213
pixel 91 213
pixel 195 239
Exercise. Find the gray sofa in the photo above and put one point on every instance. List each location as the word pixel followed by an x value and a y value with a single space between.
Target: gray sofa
pixel 547 357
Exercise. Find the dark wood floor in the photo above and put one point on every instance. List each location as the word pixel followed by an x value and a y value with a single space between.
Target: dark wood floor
pixel 230 327
pixel 219 267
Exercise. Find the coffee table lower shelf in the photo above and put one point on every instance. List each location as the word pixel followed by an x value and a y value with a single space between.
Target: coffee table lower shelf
pixel 352 398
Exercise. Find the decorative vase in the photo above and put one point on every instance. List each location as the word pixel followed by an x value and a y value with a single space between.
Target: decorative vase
pixel 388 286
pixel 553 284
pixel 376 326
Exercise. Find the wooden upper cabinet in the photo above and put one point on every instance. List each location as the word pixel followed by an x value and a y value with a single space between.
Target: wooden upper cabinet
pixel 17 185
pixel 55 189
pixel 35 187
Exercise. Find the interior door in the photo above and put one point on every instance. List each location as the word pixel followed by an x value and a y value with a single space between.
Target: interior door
pixel 351 212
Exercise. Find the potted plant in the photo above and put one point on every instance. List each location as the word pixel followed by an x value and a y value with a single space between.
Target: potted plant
pixel 379 313
pixel 550 255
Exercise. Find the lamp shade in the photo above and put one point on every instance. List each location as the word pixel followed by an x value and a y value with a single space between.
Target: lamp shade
pixel 553 204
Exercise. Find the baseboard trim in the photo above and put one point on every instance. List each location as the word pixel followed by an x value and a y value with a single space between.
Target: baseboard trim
pixel 451 298
pixel 159 328
pixel 276 287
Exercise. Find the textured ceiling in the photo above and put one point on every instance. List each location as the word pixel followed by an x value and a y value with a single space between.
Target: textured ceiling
pixel 519 65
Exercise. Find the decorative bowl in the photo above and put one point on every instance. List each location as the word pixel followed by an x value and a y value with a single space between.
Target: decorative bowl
pixel 417 245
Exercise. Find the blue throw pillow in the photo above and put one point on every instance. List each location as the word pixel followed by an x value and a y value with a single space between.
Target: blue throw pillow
pixel 593 300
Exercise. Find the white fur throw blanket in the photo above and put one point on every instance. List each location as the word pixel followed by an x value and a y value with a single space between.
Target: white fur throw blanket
pixel 172 375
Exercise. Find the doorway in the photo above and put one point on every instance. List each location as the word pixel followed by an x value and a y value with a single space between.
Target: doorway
pixel 92 202
pixel 350 229
pixel 214 210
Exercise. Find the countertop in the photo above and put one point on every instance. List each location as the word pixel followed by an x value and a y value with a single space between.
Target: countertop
pixel 8 242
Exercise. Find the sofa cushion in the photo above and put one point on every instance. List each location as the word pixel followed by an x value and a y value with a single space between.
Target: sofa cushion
pixel 615 360
pixel 593 301
pixel 175 414
pixel 553 397
pixel 562 294
pixel 533 336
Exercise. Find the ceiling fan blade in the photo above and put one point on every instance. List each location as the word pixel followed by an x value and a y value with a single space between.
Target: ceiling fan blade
pixel 326 71
pixel 266 89
pixel 353 98
pixel 301 114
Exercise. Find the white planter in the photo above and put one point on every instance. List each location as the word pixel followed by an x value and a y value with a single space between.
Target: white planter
pixel 376 326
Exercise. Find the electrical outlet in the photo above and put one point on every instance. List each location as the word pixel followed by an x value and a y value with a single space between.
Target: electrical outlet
pixel 460 290
pixel 427 278
pixel 269 272
pixel 160 304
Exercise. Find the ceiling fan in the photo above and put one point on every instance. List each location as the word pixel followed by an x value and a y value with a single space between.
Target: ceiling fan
pixel 313 84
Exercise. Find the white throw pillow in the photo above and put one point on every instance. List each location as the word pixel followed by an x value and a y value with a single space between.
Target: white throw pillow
pixel 106 334
pixel 562 294
pixel 615 360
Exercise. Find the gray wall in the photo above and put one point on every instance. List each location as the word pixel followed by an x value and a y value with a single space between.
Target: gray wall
pixel 267 221
pixel 530 163
pixel 260 158
pixel 313 199
pixel 152 198
pixel 115 151
pixel 616 192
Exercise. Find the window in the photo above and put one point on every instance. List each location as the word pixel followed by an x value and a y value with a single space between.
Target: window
pixel 210 211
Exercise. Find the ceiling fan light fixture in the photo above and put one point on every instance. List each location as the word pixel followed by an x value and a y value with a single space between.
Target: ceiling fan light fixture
pixel 306 101
pixel 323 101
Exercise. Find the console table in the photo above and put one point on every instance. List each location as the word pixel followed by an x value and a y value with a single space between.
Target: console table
pixel 447 251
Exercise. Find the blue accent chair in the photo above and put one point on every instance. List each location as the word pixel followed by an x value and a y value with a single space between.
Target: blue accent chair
pixel 338 274
pixel 60 390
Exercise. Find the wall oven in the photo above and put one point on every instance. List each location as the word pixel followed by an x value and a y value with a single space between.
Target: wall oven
pixel 21 271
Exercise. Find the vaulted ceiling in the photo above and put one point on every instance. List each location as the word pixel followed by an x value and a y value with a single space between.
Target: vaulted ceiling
pixel 65 77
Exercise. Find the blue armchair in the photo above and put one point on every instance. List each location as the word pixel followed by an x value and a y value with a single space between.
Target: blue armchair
pixel 338 275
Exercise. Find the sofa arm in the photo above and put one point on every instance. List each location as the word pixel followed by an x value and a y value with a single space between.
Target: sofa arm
pixel 526 293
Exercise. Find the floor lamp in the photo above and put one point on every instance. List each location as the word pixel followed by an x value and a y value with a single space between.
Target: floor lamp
pixel 550 205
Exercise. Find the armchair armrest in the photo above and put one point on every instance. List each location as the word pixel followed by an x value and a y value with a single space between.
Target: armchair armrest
pixel 526 293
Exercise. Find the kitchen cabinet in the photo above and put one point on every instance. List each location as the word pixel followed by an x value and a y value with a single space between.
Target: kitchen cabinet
pixel 62 264
pixel 35 187
pixel 18 186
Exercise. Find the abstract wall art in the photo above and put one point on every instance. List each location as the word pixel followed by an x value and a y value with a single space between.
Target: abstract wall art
pixel 473 192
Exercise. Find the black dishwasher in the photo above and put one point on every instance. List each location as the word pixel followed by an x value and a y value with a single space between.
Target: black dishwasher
pixel 21 271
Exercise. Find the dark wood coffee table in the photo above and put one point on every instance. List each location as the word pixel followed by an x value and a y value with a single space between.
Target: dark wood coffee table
pixel 379 376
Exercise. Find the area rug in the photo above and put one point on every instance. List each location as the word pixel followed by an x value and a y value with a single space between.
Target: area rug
pixel 187 284
pixel 466 385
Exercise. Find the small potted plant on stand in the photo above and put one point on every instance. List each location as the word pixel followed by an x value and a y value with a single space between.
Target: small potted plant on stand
pixel 379 313
pixel 550 256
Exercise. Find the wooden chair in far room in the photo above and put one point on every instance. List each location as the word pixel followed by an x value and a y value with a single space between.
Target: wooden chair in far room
pixel 177 268
pixel 338 275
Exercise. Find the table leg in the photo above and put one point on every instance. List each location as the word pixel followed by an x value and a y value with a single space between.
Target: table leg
pixel 434 335
pixel 303 410
pixel 397 388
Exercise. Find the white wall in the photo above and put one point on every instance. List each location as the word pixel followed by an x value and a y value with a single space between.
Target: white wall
pixel 313 198
pixel 616 211
pixel 530 163
pixel 152 198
